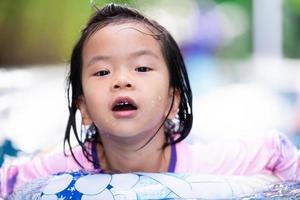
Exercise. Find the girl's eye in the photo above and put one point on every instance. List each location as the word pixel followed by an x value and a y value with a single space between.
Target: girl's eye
pixel 102 73
pixel 143 69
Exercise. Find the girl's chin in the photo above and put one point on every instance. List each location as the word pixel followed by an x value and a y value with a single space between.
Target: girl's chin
pixel 126 137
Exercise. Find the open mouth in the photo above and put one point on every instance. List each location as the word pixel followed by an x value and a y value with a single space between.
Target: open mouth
pixel 124 104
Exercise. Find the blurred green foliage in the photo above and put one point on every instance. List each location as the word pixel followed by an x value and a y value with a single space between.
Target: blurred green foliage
pixel 291 28
pixel 45 31
pixel 41 31
pixel 241 46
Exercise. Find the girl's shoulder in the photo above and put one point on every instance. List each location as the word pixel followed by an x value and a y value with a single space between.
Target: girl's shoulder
pixel 41 165
pixel 60 160
pixel 271 141
pixel 271 153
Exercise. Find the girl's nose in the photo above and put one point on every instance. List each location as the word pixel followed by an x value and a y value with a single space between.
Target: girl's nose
pixel 122 81
pixel 122 85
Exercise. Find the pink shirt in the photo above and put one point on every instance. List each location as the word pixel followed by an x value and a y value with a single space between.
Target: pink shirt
pixel 271 154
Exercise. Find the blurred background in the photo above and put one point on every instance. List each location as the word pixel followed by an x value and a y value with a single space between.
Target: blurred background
pixel 242 59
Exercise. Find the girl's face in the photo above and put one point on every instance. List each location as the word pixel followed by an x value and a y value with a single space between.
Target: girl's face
pixel 126 91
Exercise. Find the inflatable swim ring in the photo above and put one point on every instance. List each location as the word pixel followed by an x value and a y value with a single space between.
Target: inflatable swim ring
pixel 137 186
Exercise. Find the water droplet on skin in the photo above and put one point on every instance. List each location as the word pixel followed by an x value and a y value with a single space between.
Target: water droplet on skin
pixel 152 103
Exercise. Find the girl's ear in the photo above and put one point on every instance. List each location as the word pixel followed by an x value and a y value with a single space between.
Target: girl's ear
pixel 176 102
pixel 81 105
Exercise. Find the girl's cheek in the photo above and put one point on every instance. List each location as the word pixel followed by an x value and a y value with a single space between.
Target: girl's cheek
pixel 105 123
pixel 156 102
pixel 110 122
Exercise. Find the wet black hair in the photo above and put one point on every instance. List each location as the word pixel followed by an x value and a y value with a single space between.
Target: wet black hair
pixel 117 14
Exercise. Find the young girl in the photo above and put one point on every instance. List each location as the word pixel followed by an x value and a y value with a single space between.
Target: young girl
pixel 130 84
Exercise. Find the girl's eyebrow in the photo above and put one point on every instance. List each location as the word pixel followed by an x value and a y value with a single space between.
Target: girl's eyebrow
pixel 97 58
pixel 139 53
pixel 143 52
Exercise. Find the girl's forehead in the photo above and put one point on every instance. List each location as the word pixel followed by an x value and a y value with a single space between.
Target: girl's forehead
pixel 137 26
pixel 130 34
pixel 116 28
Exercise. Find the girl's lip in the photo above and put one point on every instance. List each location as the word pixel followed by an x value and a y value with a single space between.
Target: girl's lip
pixel 128 100
pixel 124 113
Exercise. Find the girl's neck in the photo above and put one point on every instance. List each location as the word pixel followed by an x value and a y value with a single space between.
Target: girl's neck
pixel 116 157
